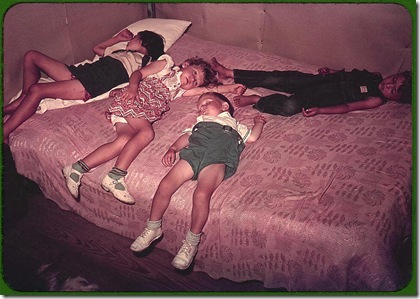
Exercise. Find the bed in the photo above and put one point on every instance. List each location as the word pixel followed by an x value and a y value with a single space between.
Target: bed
pixel 317 204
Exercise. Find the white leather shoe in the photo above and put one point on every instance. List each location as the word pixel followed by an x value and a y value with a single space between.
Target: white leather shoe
pixel 185 256
pixel 73 178
pixel 145 239
pixel 118 188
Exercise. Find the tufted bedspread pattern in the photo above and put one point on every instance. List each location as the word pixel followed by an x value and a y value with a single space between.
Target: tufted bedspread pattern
pixel 317 204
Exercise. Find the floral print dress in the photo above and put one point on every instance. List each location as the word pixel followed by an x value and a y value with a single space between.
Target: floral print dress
pixel 154 94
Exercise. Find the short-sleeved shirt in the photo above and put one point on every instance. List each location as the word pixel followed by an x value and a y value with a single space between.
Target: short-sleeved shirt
pixel 131 60
pixel 225 119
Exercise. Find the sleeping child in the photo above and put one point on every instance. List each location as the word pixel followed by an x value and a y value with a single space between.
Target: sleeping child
pixel 209 153
pixel 81 82
pixel 134 110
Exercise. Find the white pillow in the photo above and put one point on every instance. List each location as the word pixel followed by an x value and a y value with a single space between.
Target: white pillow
pixel 170 29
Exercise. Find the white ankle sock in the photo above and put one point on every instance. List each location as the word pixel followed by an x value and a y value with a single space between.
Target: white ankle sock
pixel 192 238
pixel 154 224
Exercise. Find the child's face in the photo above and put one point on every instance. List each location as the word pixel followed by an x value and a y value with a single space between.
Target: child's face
pixel 210 105
pixel 390 85
pixel 135 44
pixel 192 76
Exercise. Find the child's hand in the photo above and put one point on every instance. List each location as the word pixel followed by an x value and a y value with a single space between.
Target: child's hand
pixel 260 119
pixel 125 35
pixel 129 95
pixel 114 92
pixel 238 89
pixel 169 158
pixel 310 111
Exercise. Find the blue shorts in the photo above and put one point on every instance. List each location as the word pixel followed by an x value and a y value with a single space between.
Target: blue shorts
pixel 213 143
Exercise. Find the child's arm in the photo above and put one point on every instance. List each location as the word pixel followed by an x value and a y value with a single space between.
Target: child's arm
pixel 259 122
pixel 123 36
pixel 370 103
pixel 170 156
pixel 228 88
pixel 138 75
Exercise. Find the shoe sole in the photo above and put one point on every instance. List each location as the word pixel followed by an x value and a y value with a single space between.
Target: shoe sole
pixel 66 175
pixel 136 250
pixel 184 268
pixel 126 202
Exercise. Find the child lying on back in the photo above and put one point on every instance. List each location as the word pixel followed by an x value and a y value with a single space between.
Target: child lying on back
pixel 209 153
pixel 134 110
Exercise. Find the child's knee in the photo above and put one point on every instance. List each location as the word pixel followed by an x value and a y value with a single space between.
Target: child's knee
pixel 148 135
pixel 166 188
pixel 202 195
pixel 122 140
pixel 30 56
pixel 35 92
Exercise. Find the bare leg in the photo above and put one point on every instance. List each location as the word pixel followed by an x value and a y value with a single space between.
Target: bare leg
pixel 144 135
pixel 179 174
pixel 112 149
pixel 241 101
pixel 208 180
pixel 222 71
pixel 69 90
pixel 33 63
pixel 10 108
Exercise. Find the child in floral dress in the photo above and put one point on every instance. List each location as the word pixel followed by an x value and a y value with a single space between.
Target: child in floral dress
pixel 134 109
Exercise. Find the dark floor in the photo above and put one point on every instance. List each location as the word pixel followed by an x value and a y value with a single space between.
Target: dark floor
pixel 36 232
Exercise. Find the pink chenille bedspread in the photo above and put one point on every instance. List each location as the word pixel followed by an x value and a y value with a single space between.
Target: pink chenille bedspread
pixel 317 204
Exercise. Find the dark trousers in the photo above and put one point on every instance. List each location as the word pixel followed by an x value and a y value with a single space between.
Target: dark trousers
pixel 292 82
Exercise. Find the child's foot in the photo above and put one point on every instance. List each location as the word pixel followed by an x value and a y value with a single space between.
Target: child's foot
pixel 145 239
pixel 73 178
pixel 241 101
pixel 185 256
pixel 118 188
pixel 223 72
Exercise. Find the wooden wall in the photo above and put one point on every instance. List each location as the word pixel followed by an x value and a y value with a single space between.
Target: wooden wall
pixel 377 37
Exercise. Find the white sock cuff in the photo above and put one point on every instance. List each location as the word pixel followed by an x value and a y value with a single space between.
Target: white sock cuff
pixel 154 224
pixel 192 238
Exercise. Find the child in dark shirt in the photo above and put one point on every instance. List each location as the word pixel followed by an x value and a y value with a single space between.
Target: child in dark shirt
pixel 329 92
pixel 80 82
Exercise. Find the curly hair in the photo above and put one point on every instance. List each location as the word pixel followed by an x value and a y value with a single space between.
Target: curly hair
pixel 210 78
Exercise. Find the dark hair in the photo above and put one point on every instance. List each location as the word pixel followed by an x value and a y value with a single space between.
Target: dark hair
pixel 220 97
pixel 153 42
pixel 209 73
pixel 406 88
